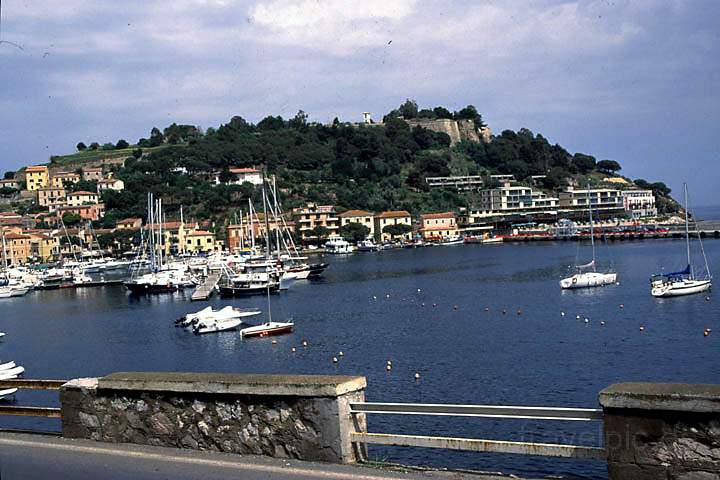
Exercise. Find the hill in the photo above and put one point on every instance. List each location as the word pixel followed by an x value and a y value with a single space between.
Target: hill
pixel 354 166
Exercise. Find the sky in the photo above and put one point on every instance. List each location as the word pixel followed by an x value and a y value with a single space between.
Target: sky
pixel 630 80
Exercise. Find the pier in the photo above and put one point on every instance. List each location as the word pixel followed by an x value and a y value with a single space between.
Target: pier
pixel 205 290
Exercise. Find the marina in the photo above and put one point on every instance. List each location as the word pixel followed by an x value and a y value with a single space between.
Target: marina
pixel 476 324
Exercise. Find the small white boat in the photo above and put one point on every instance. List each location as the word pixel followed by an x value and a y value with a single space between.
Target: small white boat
pixel 684 282
pixel 492 240
pixel 338 245
pixel 207 315
pixel 7 365
pixel 11 373
pixel 211 325
pixel 587 279
pixel 452 240
pixel 2 334
pixel 7 393
pixel 267 329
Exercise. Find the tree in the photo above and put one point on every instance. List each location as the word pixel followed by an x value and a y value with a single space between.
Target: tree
pixel 137 153
pixel 121 144
pixel 320 232
pixel 409 109
pixel 94 146
pixel 397 229
pixel 470 113
pixel 583 163
pixel 354 232
pixel 156 137
pixel 9 175
pixel 81 147
pixel 442 112
pixel 7 191
pixel 71 219
pixel 608 166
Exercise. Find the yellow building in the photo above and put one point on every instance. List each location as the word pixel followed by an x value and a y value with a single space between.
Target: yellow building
pixel 50 196
pixel 394 217
pixel 44 247
pixel 62 179
pixel 200 241
pixel 36 177
pixel 436 226
pixel 359 216
pixel 17 248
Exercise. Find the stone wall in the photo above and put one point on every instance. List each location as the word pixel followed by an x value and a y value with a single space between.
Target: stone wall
pixel 662 431
pixel 301 417
pixel 457 130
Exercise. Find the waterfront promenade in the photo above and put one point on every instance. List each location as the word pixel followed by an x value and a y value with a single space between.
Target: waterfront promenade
pixel 41 457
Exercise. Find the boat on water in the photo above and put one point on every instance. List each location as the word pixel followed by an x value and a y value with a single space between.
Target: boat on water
pixel 253 278
pixel 7 392
pixel 10 291
pixel 686 281
pixel 11 373
pixel 209 315
pixel 368 246
pixel 7 366
pixel 267 329
pixel 452 240
pixel 587 275
pixel 338 245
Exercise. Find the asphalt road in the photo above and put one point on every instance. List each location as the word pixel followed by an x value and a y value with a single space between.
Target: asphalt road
pixel 29 457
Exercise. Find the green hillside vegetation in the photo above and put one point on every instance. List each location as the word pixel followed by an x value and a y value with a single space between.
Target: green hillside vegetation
pixel 366 167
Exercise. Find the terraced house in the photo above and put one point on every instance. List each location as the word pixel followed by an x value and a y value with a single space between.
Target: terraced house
pixel 436 226
pixel 359 216
pixel 36 177
pixel 393 217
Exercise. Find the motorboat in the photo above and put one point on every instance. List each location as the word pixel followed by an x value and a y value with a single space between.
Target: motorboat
pixel 452 240
pixel 13 291
pixel 338 245
pixel 7 366
pixel 684 282
pixel 8 392
pixel 11 373
pixel 267 329
pixel 254 278
pixel 368 246
pixel 209 314
pixel 164 281
pixel 317 269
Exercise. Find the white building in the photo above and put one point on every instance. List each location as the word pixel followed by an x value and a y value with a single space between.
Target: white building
pixel 76 199
pixel 601 199
pixel 509 199
pixel 240 176
pixel 110 184
pixel 639 203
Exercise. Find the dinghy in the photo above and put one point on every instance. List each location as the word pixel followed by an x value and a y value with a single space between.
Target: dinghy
pixel 211 326
pixel 8 392
pixel 7 366
pixel 11 373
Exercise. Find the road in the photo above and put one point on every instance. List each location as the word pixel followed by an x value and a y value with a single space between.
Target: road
pixel 40 457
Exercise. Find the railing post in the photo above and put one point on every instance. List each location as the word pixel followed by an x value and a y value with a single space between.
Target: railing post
pixel 662 431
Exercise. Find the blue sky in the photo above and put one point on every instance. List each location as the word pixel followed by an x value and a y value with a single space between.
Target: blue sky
pixel 635 81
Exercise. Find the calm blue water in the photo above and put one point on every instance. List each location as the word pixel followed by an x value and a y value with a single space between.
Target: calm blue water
pixel 464 355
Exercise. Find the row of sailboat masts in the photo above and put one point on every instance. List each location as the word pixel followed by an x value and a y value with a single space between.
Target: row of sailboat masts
pixel 156 236
pixel 271 208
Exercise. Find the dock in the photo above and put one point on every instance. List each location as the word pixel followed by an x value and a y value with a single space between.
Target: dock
pixel 205 290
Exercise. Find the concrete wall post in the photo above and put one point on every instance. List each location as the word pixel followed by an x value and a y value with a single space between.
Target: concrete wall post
pixel 662 431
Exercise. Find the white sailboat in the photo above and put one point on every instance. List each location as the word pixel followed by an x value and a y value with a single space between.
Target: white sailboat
pixel 587 274
pixel 684 282
pixel 270 327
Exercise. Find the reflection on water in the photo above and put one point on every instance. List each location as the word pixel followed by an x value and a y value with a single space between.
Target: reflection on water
pixel 401 305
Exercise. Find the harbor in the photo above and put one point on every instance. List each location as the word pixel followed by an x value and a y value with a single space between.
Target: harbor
pixel 477 324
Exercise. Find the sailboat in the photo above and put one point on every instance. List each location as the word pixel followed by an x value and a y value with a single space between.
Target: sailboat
pixel 684 282
pixel 270 327
pixel 587 274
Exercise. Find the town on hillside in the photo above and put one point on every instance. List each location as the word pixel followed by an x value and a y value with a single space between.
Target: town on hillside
pixel 416 177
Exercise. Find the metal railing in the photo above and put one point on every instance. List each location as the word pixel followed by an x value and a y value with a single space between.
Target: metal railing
pixel 30 411
pixel 360 439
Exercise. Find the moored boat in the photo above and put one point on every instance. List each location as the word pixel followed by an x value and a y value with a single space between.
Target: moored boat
pixel 267 329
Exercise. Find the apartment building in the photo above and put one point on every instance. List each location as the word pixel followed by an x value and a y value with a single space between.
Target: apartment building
pixel 359 216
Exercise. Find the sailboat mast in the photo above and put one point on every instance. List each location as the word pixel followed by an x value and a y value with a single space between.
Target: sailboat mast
pixel 592 231
pixel 687 229
pixel 267 248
